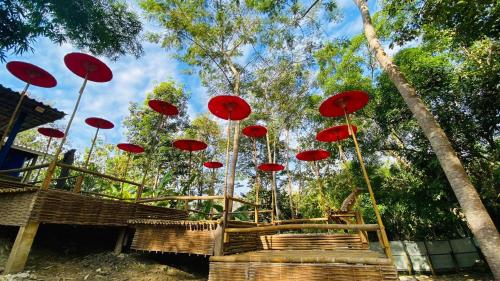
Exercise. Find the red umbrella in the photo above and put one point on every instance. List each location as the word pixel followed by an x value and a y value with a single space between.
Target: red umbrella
pixel 229 107
pixel 32 75
pixel 334 134
pixel 254 132
pixel 344 103
pixel 190 145
pixel 313 155
pixel 271 167
pixel 50 133
pixel 163 107
pixel 90 69
pixel 213 164
pixel 98 123
pixel 129 148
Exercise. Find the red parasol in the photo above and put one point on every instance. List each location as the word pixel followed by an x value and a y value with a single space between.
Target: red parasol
pixel 31 74
pixel 190 145
pixel 132 148
pixel 344 103
pixel 336 133
pixel 99 123
pixel 313 155
pixel 213 164
pixel 88 67
pixel 229 107
pixel 163 107
pixel 271 167
pixel 255 131
pixel 51 133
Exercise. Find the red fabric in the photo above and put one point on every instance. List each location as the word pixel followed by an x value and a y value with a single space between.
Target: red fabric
pixel 336 133
pixel 31 74
pixel 271 167
pixel 313 155
pixel 190 145
pixel 255 131
pixel 163 107
pixel 88 66
pixel 229 107
pixel 213 164
pixel 51 133
pixel 100 123
pixel 132 148
pixel 350 101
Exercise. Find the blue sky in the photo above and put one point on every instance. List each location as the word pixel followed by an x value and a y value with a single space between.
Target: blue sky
pixel 132 79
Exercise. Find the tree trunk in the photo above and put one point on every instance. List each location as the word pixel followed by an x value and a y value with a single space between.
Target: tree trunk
pixel 236 139
pixel 289 176
pixel 478 219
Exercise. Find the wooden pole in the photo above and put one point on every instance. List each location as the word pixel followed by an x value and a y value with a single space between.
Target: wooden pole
pixel 52 166
pixel 257 180
pixel 384 239
pixel 365 227
pixel 45 153
pixel 320 189
pixel 124 174
pixel 273 199
pixel 226 202
pixel 14 115
pixel 21 248
pixel 79 180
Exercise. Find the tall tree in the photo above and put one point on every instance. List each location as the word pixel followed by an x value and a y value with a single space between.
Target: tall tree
pixel 104 27
pixel 479 221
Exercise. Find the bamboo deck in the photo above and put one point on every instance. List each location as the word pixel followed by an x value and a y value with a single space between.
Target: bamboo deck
pixel 22 205
pixel 302 265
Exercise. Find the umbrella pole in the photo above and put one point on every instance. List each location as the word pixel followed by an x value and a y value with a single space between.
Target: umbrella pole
pixel 321 191
pixel 14 114
pixel 79 180
pixel 226 203
pixel 385 240
pixel 273 197
pixel 45 153
pixel 53 164
pixel 257 180
pixel 124 174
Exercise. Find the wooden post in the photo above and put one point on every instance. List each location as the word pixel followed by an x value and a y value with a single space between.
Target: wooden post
pixel 383 234
pixel 52 166
pixel 119 241
pixel 21 248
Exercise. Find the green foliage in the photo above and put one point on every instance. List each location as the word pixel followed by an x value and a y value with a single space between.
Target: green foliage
pixel 104 27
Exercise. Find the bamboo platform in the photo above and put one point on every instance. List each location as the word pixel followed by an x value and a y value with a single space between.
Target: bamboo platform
pixel 302 265
pixel 21 206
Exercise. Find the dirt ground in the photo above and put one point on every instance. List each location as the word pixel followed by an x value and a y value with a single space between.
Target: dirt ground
pixel 55 257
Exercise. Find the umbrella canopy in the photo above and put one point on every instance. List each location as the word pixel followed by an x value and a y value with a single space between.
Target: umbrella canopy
pixel 344 103
pixel 229 107
pixel 271 167
pixel 31 74
pixel 336 133
pixel 99 123
pixel 129 147
pixel 163 107
pixel 313 155
pixel 213 164
pixel 190 145
pixel 51 133
pixel 255 131
pixel 87 66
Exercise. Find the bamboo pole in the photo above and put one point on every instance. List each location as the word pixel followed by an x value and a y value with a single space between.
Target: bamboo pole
pixel 94 173
pixel 384 239
pixel 79 180
pixel 45 153
pixel 124 174
pixel 34 167
pixel 52 166
pixel 365 227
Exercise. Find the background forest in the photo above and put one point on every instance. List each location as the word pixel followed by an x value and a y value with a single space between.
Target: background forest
pixel 448 50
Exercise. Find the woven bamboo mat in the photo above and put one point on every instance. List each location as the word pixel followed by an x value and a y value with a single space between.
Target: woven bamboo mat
pixel 312 242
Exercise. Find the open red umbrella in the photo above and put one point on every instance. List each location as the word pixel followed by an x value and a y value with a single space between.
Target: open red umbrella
pixel 98 123
pixel 213 165
pixel 163 107
pixel 129 148
pixel 190 145
pixel 229 108
pixel 51 133
pixel 344 104
pixel 31 75
pixel 90 69
pixel 254 132
pixel 336 134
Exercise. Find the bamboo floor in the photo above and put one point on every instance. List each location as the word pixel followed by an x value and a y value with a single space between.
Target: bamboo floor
pixel 277 265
